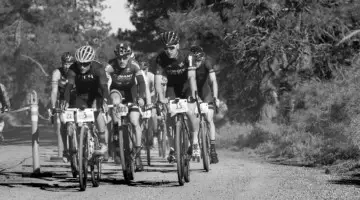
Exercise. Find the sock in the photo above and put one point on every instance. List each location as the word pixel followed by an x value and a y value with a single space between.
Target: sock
pixel 212 144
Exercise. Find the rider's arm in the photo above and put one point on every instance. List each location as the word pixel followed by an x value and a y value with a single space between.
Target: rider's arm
pixel 210 65
pixel 70 85
pixel 192 77
pixel 150 78
pixel 140 79
pixel 158 80
pixel 103 81
pixel 54 87
pixel 109 69
pixel 213 82
pixel 147 89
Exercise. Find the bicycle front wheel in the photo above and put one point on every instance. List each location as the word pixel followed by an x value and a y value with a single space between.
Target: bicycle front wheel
pixel 179 151
pixel 83 159
pixel 204 145
pixel 74 160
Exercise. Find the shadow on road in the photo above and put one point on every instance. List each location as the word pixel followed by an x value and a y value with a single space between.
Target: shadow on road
pixel 21 136
pixel 154 184
pixel 353 180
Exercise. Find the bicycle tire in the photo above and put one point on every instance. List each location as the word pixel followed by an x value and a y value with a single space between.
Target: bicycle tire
pixel 185 144
pixel 179 152
pixel 74 161
pixel 83 164
pixel 204 145
pixel 163 141
pixel 96 167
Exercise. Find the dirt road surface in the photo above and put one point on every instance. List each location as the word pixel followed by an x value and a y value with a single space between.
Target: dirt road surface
pixel 237 176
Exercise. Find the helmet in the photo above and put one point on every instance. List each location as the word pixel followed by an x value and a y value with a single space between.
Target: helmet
pixel 198 52
pixel 169 38
pixel 122 49
pixel 85 54
pixel 67 58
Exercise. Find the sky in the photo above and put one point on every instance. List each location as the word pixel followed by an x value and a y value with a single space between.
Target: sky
pixel 117 14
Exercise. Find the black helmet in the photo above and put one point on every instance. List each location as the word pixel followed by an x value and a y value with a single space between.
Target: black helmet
pixel 198 52
pixel 122 49
pixel 67 57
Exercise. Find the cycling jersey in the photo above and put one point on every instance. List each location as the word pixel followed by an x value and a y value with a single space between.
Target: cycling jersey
pixel 124 79
pixel 90 86
pixel 202 79
pixel 176 72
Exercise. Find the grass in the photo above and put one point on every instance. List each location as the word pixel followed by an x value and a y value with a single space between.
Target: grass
pixel 323 131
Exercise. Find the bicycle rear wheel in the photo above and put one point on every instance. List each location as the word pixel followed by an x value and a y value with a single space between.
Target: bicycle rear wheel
pixel 163 140
pixel 204 145
pixel 83 160
pixel 179 152
pixel 96 167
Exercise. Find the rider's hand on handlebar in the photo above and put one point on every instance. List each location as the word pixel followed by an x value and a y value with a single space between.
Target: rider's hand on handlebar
pixel 163 101
pixel 149 106
pixel 63 106
pixel 140 102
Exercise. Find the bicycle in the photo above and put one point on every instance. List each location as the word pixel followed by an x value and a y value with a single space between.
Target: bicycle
pixel 161 112
pixel 87 142
pixel 125 140
pixel 147 134
pixel 203 135
pixel 179 107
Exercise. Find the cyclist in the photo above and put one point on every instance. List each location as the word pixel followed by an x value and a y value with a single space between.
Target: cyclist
pixel 125 73
pixel 173 63
pixel 58 83
pixel 150 89
pixel 91 89
pixel 5 106
pixel 206 77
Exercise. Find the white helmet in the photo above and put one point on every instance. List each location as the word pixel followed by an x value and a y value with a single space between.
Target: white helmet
pixel 85 54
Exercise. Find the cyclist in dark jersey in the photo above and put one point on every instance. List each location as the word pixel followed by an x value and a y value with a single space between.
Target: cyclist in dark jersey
pixel 128 82
pixel 208 91
pixel 58 83
pixel 173 63
pixel 5 106
pixel 91 89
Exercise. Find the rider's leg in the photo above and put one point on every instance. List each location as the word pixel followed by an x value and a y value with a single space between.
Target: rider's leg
pixel 209 117
pixel 135 122
pixel 153 125
pixel 101 126
pixel 193 123
pixel 64 138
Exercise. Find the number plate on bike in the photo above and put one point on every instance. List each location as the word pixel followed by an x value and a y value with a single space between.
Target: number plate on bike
pixel 204 108
pixel 86 115
pixel 68 116
pixel 122 110
pixel 178 107
pixel 146 114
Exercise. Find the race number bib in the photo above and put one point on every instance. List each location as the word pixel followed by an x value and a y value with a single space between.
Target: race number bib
pixel 122 110
pixel 86 115
pixel 146 114
pixel 178 107
pixel 204 108
pixel 68 116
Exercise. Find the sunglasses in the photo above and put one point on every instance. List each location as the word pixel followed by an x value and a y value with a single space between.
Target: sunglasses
pixel 85 64
pixel 169 48
pixel 124 57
